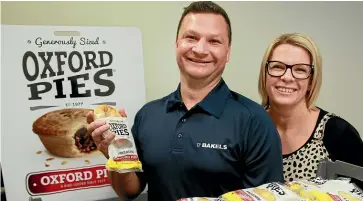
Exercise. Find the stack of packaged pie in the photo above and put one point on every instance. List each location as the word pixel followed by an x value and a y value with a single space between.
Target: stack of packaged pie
pixel 304 190
pixel 200 199
pixel 329 190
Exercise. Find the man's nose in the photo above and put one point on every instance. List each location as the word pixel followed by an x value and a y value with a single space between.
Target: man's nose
pixel 201 47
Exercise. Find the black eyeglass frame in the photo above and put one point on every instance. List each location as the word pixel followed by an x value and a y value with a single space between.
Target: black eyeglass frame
pixel 290 67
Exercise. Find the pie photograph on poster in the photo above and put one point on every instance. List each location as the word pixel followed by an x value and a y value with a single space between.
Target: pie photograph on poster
pixel 64 134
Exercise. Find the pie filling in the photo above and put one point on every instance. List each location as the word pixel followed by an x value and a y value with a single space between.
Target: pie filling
pixel 84 142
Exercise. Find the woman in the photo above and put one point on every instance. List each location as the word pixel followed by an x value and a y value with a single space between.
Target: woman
pixel 289 83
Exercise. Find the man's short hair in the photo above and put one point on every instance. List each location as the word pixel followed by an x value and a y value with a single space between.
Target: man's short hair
pixel 206 7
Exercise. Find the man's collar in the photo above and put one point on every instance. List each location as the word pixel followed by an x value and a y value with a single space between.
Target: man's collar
pixel 173 100
pixel 213 103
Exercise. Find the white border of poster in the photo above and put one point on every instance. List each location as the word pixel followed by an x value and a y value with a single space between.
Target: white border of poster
pixel 51 77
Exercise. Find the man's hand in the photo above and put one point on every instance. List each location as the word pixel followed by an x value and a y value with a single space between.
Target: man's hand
pixel 96 128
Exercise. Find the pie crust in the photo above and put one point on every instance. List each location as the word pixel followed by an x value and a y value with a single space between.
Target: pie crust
pixel 103 111
pixel 64 132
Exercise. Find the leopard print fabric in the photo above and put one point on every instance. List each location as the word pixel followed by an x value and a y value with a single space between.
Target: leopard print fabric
pixel 303 163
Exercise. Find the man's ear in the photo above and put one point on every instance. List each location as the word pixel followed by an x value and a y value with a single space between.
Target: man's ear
pixel 177 41
pixel 228 53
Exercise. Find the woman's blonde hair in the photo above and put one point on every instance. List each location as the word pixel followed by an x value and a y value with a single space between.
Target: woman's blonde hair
pixel 303 41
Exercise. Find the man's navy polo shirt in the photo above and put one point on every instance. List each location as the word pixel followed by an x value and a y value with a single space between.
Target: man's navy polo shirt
pixel 226 142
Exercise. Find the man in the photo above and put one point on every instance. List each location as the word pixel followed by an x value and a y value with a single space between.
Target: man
pixel 202 139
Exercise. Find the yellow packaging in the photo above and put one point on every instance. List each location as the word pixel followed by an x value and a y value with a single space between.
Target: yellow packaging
pixel 200 199
pixel 122 151
pixel 326 190
pixel 267 192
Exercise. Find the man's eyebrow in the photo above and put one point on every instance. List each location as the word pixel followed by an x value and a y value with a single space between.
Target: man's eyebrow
pixel 209 35
pixel 191 32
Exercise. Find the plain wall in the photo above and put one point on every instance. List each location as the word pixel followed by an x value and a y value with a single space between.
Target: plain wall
pixel 335 26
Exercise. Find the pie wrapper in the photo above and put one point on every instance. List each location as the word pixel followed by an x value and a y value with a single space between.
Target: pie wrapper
pixel 200 199
pixel 316 189
pixel 122 151
pixel 266 192
pixel 326 190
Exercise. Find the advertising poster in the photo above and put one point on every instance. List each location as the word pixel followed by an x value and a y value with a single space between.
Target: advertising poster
pixel 52 76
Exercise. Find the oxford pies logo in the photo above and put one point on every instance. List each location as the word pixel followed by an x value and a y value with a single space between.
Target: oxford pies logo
pixel 211 146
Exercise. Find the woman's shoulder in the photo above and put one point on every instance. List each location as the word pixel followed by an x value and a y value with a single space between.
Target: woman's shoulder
pixel 335 123
pixel 341 139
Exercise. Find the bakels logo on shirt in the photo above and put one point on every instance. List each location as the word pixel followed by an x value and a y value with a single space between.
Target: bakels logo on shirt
pixel 211 146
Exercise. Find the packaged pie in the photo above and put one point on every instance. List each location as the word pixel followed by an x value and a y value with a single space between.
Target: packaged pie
pixel 329 190
pixel 122 151
pixel 266 192
pixel 200 199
